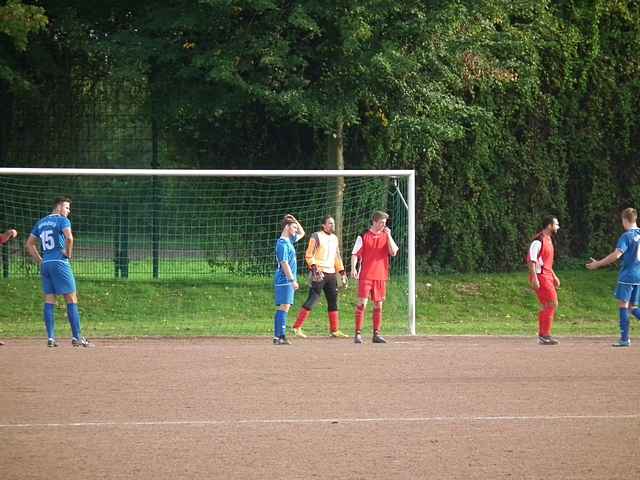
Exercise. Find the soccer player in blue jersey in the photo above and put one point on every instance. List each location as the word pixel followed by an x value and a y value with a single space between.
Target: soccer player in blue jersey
pixel 54 237
pixel 286 282
pixel 628 289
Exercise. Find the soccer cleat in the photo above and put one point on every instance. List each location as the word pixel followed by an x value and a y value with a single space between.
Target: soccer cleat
pixel 52 343
pixel 358 338
pixel 378 339
pixel 299 333
pixel 547 340
pixel 281 341
pixel 1 343
pixel 82 342
pixel 622 343
pixel 338 334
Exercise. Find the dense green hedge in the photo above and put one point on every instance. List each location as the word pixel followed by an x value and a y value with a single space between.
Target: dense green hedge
pixel 563 138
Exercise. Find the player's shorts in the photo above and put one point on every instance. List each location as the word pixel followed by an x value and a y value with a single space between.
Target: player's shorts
pixel 547 291
pixel 284 294
pixel 376 290
pixel 628 293
pixel 57 277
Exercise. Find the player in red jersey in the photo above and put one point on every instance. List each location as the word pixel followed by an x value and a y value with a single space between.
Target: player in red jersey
pixel 4 238
pixel 543 279
pixel 370 266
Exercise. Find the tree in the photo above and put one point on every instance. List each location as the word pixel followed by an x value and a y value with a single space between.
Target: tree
pixel 17 21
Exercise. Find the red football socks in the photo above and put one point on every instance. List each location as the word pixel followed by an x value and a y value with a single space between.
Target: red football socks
pixel 545 321
pixel 359 318
pixel 302 316
pixel 334 321
pixel 377 319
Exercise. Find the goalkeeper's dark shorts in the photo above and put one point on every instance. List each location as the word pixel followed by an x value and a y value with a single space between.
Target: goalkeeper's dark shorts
pixel 329 285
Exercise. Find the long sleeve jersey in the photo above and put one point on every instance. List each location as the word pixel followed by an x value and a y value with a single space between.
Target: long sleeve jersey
pixel 323 252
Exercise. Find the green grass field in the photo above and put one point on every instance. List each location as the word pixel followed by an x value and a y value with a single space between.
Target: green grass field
pixel 491 304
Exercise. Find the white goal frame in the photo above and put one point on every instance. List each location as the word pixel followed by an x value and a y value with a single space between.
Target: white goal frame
pixel 408 174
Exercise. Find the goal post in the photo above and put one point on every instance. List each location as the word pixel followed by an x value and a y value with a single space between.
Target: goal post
pixel 145 224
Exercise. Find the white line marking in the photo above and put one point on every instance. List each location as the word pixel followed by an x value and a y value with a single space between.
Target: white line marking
pixel 502 418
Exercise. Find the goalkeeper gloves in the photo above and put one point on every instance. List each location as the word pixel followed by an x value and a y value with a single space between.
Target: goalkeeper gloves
pixel 316 275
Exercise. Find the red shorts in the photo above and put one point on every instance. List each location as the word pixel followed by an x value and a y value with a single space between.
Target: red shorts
pixel 376 290
pixel 547 291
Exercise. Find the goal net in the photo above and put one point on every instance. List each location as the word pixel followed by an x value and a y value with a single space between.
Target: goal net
pixel 211 232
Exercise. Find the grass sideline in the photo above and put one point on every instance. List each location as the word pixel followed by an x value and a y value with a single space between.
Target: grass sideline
pixel 451 304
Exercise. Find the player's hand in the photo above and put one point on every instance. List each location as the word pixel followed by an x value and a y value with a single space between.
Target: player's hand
pixel 534 282
pixel 295 285
pixel 387 231
pixel 355 273
pixel 592 264
pixel 345 281
pixel 556 282
pixel 316 275
pixel 13 233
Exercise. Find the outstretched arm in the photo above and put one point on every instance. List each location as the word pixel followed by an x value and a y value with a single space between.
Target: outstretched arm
pixel 608 260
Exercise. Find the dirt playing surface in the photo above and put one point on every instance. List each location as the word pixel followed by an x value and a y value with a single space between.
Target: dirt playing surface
pixel 416 408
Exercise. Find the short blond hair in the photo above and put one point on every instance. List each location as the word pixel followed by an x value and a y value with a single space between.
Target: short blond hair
pixel 630 215
pixel 379 215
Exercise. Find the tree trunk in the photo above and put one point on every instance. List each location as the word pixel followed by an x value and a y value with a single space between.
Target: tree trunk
pixel 335 161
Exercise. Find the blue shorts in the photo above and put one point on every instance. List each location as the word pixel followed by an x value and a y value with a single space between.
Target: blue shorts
pixel 628 293
pixel 284 294
pixel 57 277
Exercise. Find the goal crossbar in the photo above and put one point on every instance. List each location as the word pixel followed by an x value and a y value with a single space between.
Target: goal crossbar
pixel 137 172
